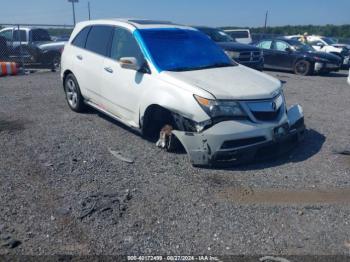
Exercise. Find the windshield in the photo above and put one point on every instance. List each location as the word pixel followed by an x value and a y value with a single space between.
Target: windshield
pixel 174 49
pixel 217 35
pixel 301 47
pixel 329 40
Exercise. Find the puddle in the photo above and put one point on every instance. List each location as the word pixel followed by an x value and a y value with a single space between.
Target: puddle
pixel 279 196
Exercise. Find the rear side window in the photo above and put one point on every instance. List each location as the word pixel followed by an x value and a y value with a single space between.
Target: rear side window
pixel 40 35
pixel 265 44
pixel 98 39
pixel 80 39
pixel 19 37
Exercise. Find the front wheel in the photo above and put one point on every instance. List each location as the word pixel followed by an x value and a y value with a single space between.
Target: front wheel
pixel 302 68
pixel 73 95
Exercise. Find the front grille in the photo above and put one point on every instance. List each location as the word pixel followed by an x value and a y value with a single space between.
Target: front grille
pixel 267 116
pixel 267 110
pixel 249 56
pixel 242 142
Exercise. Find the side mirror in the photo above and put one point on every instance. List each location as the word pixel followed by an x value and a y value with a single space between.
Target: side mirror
pixel 320 45
pixel 130 63
pixel 289 50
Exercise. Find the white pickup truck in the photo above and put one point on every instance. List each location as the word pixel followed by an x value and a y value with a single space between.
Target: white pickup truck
pixel 32 46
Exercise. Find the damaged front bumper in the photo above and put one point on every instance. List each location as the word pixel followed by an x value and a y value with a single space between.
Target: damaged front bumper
pixel 240 141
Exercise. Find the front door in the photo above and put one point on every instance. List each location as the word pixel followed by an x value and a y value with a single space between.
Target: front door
pixel 283 55
pixel 122 88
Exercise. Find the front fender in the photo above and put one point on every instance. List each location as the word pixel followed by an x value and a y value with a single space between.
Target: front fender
pixel 173 98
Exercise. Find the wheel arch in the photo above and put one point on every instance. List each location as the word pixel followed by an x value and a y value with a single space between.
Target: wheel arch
pixel 64 76
pixel 154 117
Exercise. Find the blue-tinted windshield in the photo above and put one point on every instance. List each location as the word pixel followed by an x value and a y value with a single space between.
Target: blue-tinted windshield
pixel 174 49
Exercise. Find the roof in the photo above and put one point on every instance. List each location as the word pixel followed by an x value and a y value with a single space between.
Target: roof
pixel 27 28
pixel 136 23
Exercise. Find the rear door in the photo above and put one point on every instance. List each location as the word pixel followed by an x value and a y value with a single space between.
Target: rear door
pixel 268 53
pixel 91 49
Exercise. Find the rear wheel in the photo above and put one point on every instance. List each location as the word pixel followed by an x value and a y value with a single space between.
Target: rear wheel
pixel 56 63
pixel 73 95
pixel 302 67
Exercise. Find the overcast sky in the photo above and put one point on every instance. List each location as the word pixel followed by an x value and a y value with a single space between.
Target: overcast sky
pixel 193 12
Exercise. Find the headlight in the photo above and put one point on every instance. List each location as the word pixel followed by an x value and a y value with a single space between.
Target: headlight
pixel 232 54
pixel 215 108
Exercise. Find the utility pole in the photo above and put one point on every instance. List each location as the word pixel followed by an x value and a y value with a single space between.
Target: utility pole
pixel 89 10
pixel 73 6
pixel 266 16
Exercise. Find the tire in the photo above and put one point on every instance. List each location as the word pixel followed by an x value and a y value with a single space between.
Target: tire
pixel 73 95
pixel 56 63
pixel 303 68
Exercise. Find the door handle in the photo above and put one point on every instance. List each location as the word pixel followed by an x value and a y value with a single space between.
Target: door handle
pixel 109 70
pixel 79 57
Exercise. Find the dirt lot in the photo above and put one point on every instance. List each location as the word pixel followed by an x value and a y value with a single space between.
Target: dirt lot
pixel 63 192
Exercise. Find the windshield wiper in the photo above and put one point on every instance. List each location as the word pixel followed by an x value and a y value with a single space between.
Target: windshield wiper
pixel 216 65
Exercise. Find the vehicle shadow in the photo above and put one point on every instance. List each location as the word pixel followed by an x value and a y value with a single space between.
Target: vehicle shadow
pixel 286 74
pixel 309 147
pixel 334 74
pixel 113 121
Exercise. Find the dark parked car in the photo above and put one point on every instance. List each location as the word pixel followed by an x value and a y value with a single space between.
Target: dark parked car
pixel 32 46
pixel 247 55
pixel 302 59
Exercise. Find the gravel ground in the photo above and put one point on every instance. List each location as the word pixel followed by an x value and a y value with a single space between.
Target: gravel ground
pixel 63 192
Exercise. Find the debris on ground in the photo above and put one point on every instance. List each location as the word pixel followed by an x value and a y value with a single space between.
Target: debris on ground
pixel 121 157
pixel 347 244
pixel 8 241
pixel 164 136
pixel 12 243
pixel 105 205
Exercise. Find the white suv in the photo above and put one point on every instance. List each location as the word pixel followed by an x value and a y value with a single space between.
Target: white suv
pixel 152 76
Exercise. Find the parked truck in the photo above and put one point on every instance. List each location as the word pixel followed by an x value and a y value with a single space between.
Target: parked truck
pixel 32 46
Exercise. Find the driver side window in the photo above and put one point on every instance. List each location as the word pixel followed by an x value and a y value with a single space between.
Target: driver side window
pixel 281 46
pixel 124 45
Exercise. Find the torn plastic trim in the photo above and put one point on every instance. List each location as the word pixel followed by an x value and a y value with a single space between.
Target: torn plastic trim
pixel 203 147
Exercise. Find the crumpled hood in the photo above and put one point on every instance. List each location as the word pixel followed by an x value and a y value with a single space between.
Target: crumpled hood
pixel 237 82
